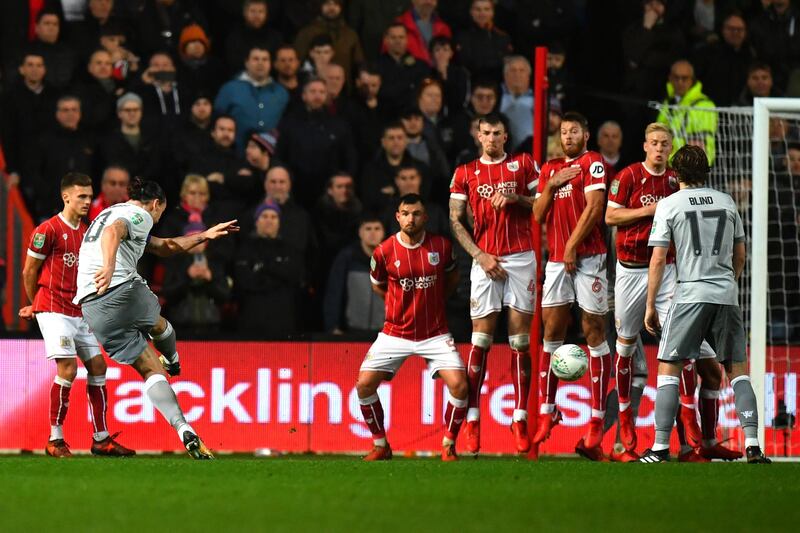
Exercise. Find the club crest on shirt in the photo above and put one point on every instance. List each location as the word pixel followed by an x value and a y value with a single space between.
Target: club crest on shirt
pixel 433 258
pixel 397 264
pixel 513 166
pixel 614 186
pixel 38 240
pixel 64 236
pixel 673 182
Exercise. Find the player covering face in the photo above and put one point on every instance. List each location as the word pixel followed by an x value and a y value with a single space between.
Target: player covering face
pixel 119 307
pixel 413 272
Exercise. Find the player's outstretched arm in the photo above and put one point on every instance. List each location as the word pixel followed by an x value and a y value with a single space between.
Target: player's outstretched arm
pixel 654 274
pixel 625 216
pixel 176 245
pixel 30 281
pixel 542 204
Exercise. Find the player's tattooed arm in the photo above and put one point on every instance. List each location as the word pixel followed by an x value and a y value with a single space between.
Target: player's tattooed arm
pixel 176 245
pixel 658 260
pixel 458 218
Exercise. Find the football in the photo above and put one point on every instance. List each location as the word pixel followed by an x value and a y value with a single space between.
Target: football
pixel 569 362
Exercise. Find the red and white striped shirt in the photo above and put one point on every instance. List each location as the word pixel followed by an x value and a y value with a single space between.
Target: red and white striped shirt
pixel 635 186
pixel 569 201
pixel 57 243
pixel 415 278
pixel 507 231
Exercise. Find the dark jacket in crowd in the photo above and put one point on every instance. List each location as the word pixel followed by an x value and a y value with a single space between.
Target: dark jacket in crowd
pixel 60 60
pixel 648 55
pixel 378 174
pixel 268 274
pixel 98 104
pixel 399 81
pixel 24 115
pixel 350 303
pixel 482 50
pixel 723 70
pixel 777 41
pixel 142 159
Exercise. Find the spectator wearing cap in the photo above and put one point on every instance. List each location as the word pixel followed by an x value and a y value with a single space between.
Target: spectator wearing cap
pixel 516 101
pixel 400 71
pixel 258 155
pixel 425 147
pixel 98 93
pixel 133 146
pixel 113 190
pixel 346 44
pixel 26 110
pixel 251 31
pixel 482 45
pixel 224 168
pixel 350 306
pixel 268 277
pixel 198 71
pixel 423 24
pixel 314 144
pixel 253 99
pixel 61 59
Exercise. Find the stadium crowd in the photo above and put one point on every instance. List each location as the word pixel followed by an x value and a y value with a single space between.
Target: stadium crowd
pixel 307 119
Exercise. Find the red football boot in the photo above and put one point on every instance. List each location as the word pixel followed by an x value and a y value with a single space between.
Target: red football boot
pixel 627 429
pixel 521 438
pixel 692 457
pixel 111 447
pixel 472 436
pixel 593 454
pixel 449 453
pixel 379 453
pixel 625 456
pixel 718 451
pixel 57 448
pixel 595 435
pixel 546 423
pixel 691 430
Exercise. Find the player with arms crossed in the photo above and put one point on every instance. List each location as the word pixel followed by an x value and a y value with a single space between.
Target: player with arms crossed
pixel 49 278
pixel 413 271
pixel 632 202
pixel 709 239
pixel 498 187
pixel 121 309
pixel 571 203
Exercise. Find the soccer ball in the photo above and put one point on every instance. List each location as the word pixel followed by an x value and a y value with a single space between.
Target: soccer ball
pixel 569 362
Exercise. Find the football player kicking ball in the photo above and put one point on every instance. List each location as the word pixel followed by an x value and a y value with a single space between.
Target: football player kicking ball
pixel 413 271
pixel 49 278
pixel 632 202
pixel 708 235
pixel 121 309
pixel 571 204
pixel 498 188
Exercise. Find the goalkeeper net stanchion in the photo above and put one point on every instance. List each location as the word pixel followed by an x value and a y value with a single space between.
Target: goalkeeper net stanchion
pixel 757 162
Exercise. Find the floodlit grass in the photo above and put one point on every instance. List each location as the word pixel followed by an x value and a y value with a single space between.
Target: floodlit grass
pixel 306 493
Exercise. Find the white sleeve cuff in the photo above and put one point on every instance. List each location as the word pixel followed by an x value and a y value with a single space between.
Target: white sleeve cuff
pixel 615 204
pixel 538 194
pixel 532 185
pixel 458 196
pixel 595 187
pixel 375 281
pixel 41 257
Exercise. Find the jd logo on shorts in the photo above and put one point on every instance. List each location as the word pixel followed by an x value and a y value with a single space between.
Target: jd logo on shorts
pixel 38 240
pixel 137 219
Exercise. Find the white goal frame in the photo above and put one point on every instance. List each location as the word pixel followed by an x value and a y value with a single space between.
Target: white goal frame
pixel 759 286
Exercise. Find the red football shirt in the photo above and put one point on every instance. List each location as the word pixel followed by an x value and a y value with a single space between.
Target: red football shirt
pixel 415 298
pixel 634 187
pixel 507 231
pixel 57 243
pixel 569 202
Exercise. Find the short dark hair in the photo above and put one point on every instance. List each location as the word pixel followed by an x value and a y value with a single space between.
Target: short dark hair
pixel 286 47
pixel 691 165
pixel 394 25
pixel 143 190
pixel 493 119
pixel 323 39
pixel 409 199
pixel 440 40
pixel 45 12
pixel 28 52
pixel 258 46
pixel 393 125
pixel 247 3
pixel 340 174
pixel 369 217
pixel 574 116
pixel 75 178
pixel 407 166
pixel 758 65
pixel 221 116
pixel 485 84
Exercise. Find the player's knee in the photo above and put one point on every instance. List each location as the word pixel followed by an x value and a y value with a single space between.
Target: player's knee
pixel 519 343
pixel 159 327
pixel 709 372
pixel 365 388
pixel 96 366
pixel 68 369
pixel 458 389
pixel 481 340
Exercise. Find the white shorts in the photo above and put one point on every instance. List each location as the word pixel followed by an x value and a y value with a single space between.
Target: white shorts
pixel 388 353
pixel 589 285
pixel 517 291
pixel 630 297
pixel 67 336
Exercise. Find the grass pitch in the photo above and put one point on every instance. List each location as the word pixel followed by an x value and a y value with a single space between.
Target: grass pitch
pixel 150 494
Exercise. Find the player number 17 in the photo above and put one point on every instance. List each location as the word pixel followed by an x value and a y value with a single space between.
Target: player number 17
pixel 722 220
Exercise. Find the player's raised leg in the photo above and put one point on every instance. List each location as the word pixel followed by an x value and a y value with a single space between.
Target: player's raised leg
pixel 66 370
pixel 455 411
pixel 372 410
pixel 555 329
pixel 103 443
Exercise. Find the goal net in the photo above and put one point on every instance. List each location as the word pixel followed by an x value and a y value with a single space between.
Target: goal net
pixel 756 159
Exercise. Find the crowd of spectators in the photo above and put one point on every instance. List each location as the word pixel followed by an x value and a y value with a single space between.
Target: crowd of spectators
pixel 307 119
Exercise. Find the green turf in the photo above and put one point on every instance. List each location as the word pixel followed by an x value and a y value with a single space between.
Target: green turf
pixel 149 494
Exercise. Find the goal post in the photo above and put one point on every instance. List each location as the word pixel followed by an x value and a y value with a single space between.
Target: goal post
pixel 759 253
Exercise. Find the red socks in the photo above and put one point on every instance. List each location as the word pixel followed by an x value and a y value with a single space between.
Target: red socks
pixel 98 403
pixel 59 400
pixel 600 371
pixel 521 369
pixel 372 410
pixel 454 416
